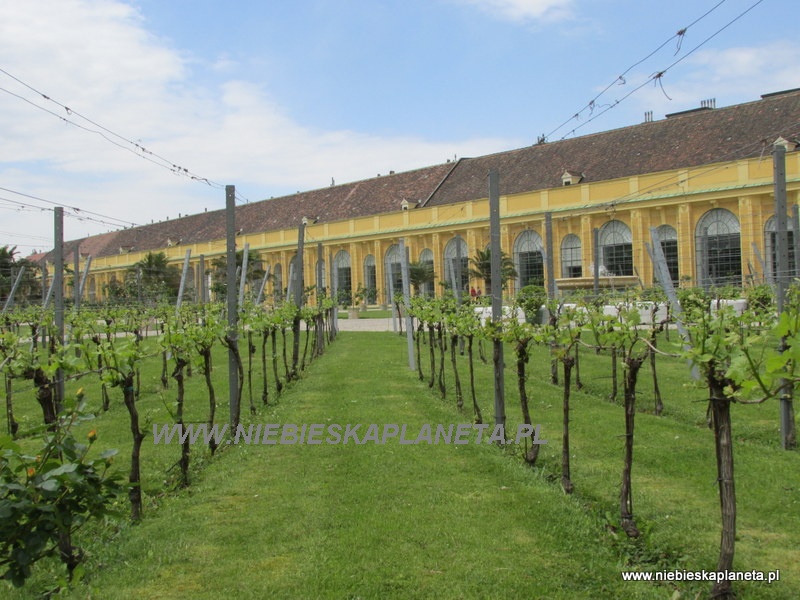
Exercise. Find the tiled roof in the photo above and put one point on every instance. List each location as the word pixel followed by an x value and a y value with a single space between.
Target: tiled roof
pixel 688 139
pixel 380 194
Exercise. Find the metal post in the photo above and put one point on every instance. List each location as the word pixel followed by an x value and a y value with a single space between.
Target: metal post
pixel 412 364
pixel 76 290
pixel 290 283
pixel 781 226
pixel 202 280
pixel 334 293
pixel 299 279
pixel 84 276
pixel 457 272
pixel 788 435
pixel 661 270
pixel 767 276
pixel 796 238
pixel 182 286
pixel 10 300
pixel 44 279
pixel 596 252
pixel 243 273
pixel 260 297
pixel 233 312
pixel 551 271
pixel 58 299
pixel 497 297
pixel 320 275
pixel 298 298
pixel 390 287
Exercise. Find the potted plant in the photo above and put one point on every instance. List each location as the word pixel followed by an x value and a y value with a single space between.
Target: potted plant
pixel 358 303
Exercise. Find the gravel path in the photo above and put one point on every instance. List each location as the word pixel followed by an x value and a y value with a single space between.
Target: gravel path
pixel 366 324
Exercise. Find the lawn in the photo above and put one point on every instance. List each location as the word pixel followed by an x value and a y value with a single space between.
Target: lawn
pixel 441 520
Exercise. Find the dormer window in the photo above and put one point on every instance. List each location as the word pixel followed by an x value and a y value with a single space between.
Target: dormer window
pixel 405 205
pixel 571 177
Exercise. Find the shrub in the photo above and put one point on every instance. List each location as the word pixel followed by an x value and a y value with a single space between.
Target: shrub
pixel 530 299
pixel 45 498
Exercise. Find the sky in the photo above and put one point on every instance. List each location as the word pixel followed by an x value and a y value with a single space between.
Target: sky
pixel 133 111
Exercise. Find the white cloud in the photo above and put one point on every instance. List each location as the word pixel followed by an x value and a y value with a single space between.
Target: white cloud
pixel 98 58
pixel 731 75
pixel 525 11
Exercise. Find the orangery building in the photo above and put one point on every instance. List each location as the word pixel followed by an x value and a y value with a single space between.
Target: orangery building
pixel 703 178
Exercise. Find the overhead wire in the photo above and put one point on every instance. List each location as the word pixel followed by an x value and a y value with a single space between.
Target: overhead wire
pixel 102 130
pixel 72 208
pixel 656 78
pixel 20 205
pixel 143 152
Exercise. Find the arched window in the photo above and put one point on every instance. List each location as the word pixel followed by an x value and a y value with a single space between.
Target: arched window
pixel 669 246
pixel 294 275
pixel 571 263
pixel 770 243
pixel 342 278
pixel 319 276
pixel 616 248
pixel 426 258
pixel 529 259
pixel 392 267
pixel 370 279
pixel 456 249
pixel 718 248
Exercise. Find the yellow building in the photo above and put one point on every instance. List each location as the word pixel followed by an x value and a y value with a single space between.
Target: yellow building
pixel 703 178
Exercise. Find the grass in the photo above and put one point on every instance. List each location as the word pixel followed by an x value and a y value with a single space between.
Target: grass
pixel 396 521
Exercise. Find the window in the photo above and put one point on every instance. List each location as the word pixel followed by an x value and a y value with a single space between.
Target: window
pixel 342 277
pixel 571 256
pixel 616 248
pixel 370 279
pixel 394 275
pixel 669 246
pixel 529 259
pixel 718 246
pixel 319 275
pixel 294 276
pixel 426 257
pixel 455 249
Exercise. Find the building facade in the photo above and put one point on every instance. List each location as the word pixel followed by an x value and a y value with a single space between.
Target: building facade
pixel 703 179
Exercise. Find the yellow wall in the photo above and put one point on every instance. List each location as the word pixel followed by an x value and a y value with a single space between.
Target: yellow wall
pixel 678 198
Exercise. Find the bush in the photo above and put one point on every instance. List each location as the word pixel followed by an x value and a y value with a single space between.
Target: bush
pixel 45 498
pixel 760 297
pixel 530 299
pixel 693 301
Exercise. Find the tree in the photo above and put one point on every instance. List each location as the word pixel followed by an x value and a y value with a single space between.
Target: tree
pixel 481 268
pixel 420 274
pixel 219 271
pixel 153 278
pixel 10 265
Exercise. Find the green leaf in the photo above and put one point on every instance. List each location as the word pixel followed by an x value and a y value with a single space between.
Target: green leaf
pixel 63 469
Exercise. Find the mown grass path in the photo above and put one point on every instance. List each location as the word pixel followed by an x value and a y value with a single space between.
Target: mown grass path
pixel 364 521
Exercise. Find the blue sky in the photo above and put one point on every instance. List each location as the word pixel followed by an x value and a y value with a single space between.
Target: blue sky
pixel 277 97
